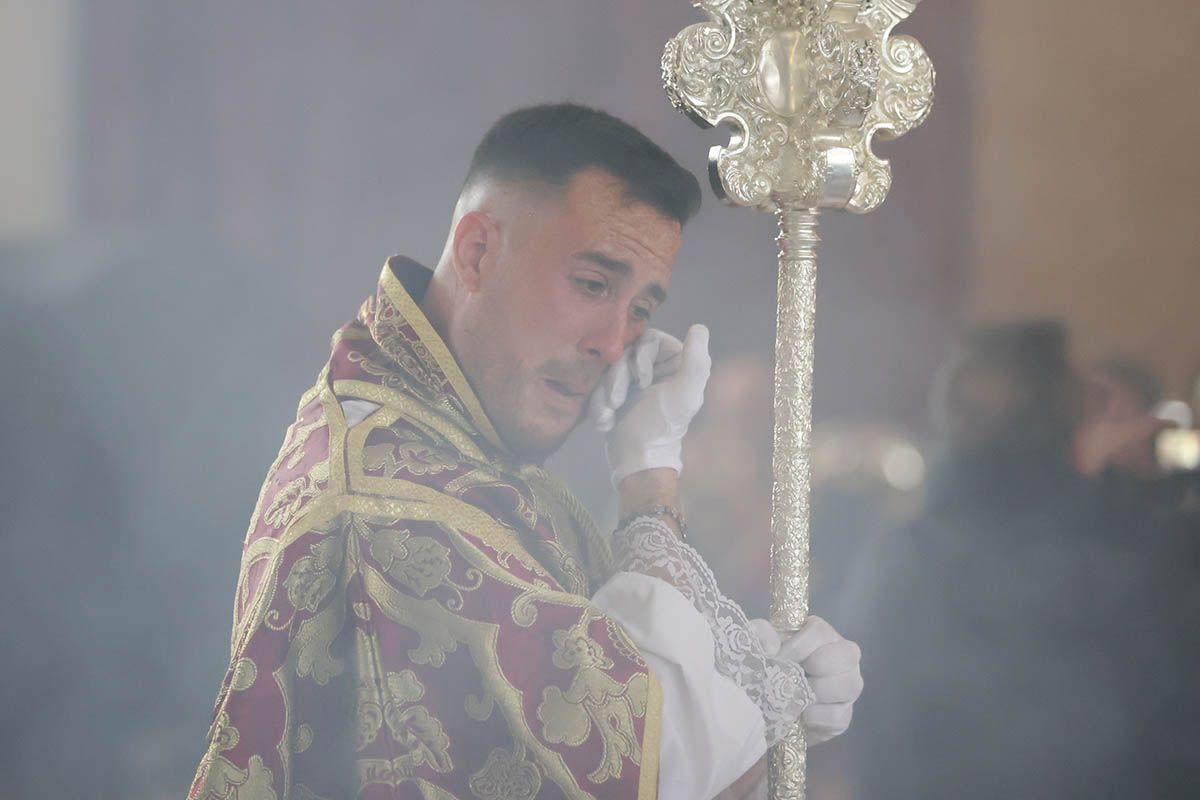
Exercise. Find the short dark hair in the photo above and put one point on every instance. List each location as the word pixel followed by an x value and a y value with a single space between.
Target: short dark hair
pixel 551 143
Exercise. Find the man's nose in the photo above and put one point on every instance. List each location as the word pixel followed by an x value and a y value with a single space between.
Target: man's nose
pixel 609 341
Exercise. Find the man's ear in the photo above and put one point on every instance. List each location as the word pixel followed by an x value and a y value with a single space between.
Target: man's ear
pixel 476 241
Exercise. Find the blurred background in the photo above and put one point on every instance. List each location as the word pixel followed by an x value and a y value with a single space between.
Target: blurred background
pixel 194 196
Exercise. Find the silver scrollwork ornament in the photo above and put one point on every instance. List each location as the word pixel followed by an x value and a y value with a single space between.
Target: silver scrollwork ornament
pixel 804 86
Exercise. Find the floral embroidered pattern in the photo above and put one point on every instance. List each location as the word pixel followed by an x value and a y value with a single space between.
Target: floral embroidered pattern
pixel 396 338
pixel 313 577
pixel 506 776
pixel 223 779
pixel 291 498
pixel 594 698
pixel 414 458
pixel 244 675
pixel 317 623
pixel 410 726
pixel 417 562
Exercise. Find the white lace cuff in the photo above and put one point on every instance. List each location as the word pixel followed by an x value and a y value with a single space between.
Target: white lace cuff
pixel 778 687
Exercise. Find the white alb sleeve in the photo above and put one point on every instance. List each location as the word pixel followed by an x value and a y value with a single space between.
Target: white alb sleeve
pixel 711 731
pixel 649 554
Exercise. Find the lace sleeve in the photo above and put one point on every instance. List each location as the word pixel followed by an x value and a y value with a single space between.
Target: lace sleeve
pixel 778 687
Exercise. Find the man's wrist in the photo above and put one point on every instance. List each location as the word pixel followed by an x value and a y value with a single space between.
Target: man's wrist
pixel 647 459
pixel 647 490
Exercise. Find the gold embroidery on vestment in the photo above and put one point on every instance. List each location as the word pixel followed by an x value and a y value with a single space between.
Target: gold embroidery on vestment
pixel 412 457
pixel 480 708
pixel 506 775
pixel 396 405
pixel 417 562
pixel 480 638
pixel 313 577
pixel 244 674
pixel 441 355
pixel 594 699
pixel 310 650
pixel 411 726
pixel 224 781
pixel 304 738
pixel 287 502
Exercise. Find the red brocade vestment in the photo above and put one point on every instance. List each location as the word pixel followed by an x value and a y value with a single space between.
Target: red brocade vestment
pixel 412 616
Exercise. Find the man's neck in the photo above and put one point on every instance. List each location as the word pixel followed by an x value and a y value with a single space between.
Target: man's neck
pixel 437 302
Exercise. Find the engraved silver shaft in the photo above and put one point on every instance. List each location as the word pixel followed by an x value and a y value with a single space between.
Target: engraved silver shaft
pixel 795 325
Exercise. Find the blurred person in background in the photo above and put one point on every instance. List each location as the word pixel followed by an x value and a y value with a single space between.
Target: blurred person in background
pixel 1119 425
pixel 1153 521
pixel 1026 655
pixel 1118 444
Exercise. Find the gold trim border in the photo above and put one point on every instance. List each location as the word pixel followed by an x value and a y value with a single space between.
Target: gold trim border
pixel 651 741
pixel 441 353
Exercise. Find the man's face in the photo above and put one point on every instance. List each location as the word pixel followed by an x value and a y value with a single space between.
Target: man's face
pixel 573 282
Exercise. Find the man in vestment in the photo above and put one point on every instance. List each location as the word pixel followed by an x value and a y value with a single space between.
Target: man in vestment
pixel 422 611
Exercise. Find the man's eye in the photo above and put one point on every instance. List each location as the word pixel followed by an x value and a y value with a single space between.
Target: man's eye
pixel 641 313
pixel 591 287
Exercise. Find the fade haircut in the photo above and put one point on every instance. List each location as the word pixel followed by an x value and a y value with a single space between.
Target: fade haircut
pixel 551 143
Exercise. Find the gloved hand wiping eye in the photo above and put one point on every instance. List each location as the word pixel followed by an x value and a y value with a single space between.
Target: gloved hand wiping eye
pixel 647 399
pixel 655 355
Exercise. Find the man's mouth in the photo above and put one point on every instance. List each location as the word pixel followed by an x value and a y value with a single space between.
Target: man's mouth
pixel 566 390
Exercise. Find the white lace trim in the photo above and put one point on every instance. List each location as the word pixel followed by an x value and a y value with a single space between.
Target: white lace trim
pixel 778 687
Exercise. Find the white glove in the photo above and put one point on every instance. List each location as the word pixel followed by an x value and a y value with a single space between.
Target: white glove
pixel 670 378
pixel 832 664
pixel 654 356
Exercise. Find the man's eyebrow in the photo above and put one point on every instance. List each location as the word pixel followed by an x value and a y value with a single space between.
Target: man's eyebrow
pixel 622 268
pixel 607 262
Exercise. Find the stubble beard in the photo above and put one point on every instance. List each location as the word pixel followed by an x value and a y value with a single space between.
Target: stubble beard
pixel 523 436
pixel 508 390
pixel 502 392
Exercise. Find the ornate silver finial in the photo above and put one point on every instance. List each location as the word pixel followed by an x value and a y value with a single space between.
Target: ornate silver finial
pixel 805 85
